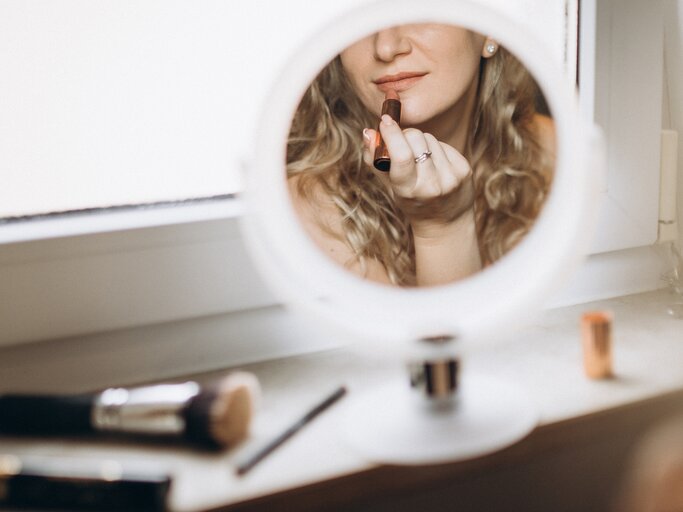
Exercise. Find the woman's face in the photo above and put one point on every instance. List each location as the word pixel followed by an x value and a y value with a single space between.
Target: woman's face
pixel 431 66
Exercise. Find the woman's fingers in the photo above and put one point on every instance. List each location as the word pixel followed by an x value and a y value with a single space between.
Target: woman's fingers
pixel 437 188
pixel 369 145
pixel 442 165
pixel 457 160
pixel 402 169
pixel 443 171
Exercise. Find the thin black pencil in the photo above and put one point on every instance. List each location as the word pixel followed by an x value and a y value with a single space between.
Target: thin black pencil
pixel 267 449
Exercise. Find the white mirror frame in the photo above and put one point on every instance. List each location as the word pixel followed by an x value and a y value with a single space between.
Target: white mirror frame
pixel 472 309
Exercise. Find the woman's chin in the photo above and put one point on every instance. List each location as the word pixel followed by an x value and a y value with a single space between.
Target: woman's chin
pixel 409 120
pixel 415 113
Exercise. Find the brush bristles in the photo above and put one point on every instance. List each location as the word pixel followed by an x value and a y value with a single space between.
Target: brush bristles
pixel 220 415
pixel 232 409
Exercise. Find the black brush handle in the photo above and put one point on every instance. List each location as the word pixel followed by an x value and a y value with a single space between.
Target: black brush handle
pixel 35 414
pixel 40 491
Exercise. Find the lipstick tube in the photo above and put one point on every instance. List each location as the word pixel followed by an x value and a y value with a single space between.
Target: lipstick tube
pixel 391 107
pixel 596 336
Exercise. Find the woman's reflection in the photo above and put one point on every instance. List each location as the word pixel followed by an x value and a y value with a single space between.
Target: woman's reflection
pixel 471 160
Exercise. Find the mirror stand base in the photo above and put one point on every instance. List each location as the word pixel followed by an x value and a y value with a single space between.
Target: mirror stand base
pixel 394 424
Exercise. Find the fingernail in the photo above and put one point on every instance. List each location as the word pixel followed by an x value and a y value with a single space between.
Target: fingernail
pixel 387 120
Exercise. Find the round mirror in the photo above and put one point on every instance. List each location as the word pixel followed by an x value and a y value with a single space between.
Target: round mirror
pixel 421 180
pixel 420 155
pixel 488 148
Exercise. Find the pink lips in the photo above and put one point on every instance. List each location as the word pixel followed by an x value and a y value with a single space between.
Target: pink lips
pixel 398 82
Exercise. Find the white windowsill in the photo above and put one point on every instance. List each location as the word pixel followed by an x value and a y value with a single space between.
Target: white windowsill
pixel 107 220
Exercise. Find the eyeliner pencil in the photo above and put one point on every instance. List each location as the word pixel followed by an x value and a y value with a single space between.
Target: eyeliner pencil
pixel 303 421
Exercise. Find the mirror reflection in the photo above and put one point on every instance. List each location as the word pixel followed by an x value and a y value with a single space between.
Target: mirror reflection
pixel 420 155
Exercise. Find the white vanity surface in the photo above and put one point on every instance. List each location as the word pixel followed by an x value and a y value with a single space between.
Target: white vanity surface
pixel 544 358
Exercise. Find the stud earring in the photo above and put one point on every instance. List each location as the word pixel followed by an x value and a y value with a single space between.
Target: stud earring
pixel 491 48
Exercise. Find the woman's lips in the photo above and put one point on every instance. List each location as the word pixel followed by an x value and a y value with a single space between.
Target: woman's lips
pixel 399 82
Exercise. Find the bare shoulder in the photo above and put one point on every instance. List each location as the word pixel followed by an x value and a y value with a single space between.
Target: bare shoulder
pixel 322 220
pixel 544 130
pixel 315 208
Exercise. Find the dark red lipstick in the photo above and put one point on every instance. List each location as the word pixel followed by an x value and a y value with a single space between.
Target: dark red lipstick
pixel 391 107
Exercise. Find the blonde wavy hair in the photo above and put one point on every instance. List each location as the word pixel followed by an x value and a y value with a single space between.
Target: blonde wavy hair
pixel 510 168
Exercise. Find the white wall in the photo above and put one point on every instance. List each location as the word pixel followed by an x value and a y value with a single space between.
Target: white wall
pixel 124 102
pixel 125 278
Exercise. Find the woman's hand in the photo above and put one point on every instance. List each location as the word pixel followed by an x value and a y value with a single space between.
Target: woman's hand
pixel 432 194
pixel 436 195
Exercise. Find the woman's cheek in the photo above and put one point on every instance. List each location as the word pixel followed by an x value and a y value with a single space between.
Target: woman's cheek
pixel 372 104
pixel 413 111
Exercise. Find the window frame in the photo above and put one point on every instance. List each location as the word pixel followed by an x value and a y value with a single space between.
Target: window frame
pixel 46 296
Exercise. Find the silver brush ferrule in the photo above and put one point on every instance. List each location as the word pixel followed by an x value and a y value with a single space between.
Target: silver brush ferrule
pixel 144 410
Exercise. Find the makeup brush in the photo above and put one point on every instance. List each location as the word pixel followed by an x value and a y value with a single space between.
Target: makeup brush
pixel 215 416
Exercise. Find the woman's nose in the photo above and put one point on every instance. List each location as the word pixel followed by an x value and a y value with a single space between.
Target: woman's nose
pixel 391 43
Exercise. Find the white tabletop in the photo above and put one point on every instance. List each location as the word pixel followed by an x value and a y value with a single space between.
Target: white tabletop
pixel 543 358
